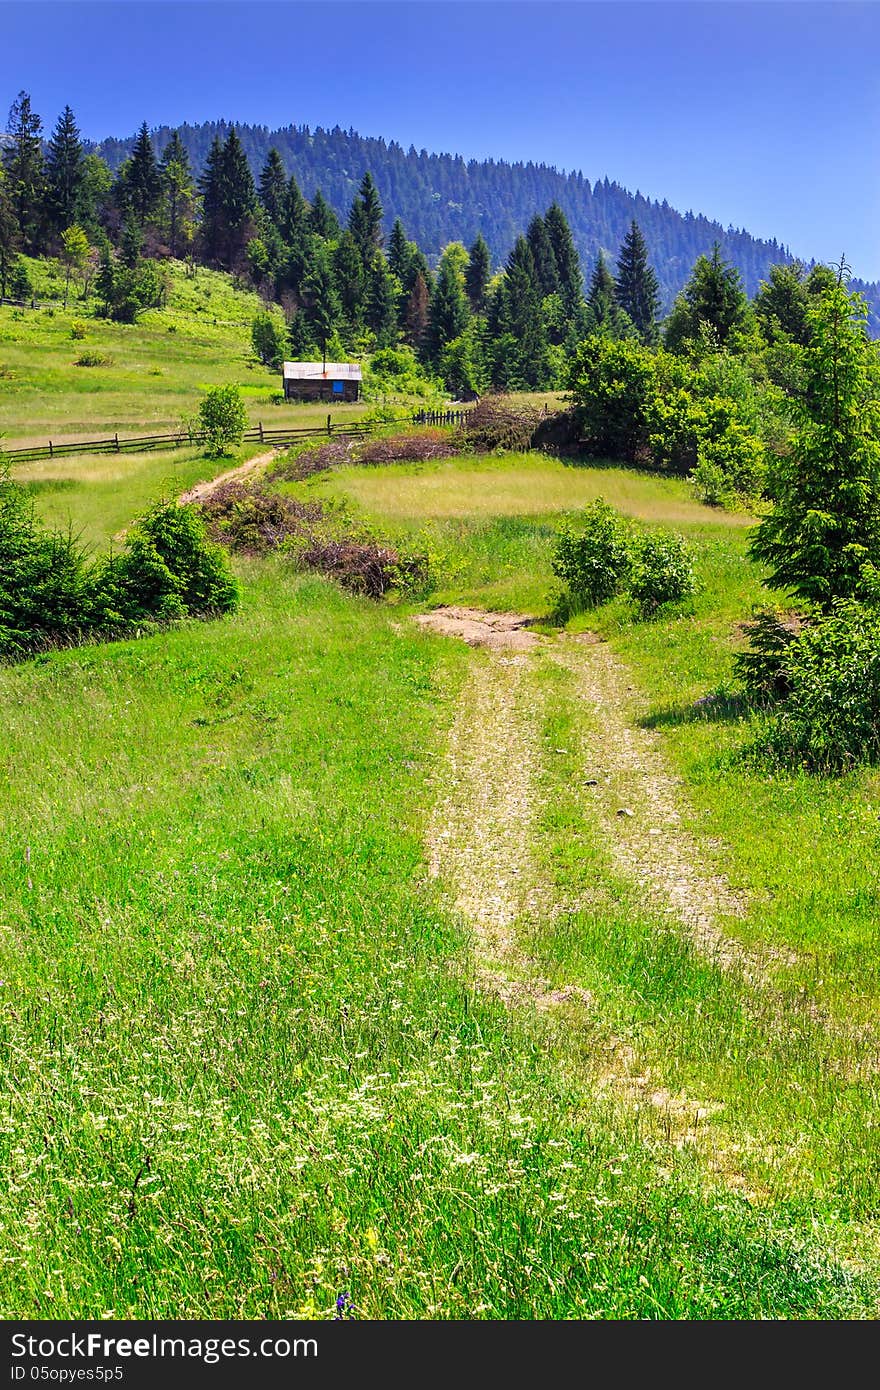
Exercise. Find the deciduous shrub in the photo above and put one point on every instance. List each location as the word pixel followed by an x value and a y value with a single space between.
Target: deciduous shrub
pixel 93 359
pixel 222 419
pixel 661 571
pixel 613 386
pixel 593 559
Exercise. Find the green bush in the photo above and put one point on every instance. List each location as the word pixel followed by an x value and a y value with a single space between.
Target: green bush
pixel 78 330
pixel 168 569
pixel 830 718
pixel 93 359
pixel 661 571
pixel 222 419
pixel 613 386
pixel 593 559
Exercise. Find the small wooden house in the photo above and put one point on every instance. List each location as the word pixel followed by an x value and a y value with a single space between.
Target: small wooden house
pixel 321 381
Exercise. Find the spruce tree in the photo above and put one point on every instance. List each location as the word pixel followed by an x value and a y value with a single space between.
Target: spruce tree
pixel 398 250
pixel 211 188
pixel 273 188
pixel 294 214
pixel 322 220
pixel 380 310
pixel 476 277
pixel 823 530
pixel 713 300
pixel 348 270
pixel 319 294
pixel 179 194
pixel 568 266
pixel 636 288
pixel 65 172
pixel 365 219
pixel 143 181
pixel 9 237
pixel 25 173
pixel 543 256
pixel 601 302
pixel 448 312
pixel 522 361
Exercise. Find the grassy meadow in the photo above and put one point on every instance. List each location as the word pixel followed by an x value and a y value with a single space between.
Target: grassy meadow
pixel 155 371
pixel 248 1062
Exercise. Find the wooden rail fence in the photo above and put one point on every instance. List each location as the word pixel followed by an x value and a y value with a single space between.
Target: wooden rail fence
pixel 180 439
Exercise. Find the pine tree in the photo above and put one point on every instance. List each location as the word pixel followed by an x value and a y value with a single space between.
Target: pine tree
pixel 636 288
pixel 365 219
pixel 824 526
pixel 294 214
pixel 522 361
pixel 448 312
pixel 544 256
pixel 179 194
pixel 319 293
pixel 348 270
pixel 65 172
pixel 380 310
pixel 568 266
pixel 25 174
pixel 273 188
pixel 323 221
pixel 477 274
pixel 601 303
pixel 712 300
pixel 398 250
pixel 9 237
pixel 143 182
pixel 211 187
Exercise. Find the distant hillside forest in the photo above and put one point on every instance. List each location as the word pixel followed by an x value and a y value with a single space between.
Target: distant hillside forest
pixel 442 197
pixel 345 286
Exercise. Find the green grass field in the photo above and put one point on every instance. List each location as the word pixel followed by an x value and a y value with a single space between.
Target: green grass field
pixel 250 1056
pixel 157 369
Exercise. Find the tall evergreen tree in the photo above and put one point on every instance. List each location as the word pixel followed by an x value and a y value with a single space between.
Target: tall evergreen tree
pixel 543 255
pixel 273 187
pixel 319 294
pixel 636 287
pixel 294 214
pixel 380 310
pixel 477 274
pixel 601 302
pixel 9 237
pixel 365 219
pixel 568 265
pixel 823 529
pixel 25 172
pixel 228 202
pixel 713 300
pixel 179 194
pixel 348 270
pixel 211 187
pixel 65 173
pixel 323 221
pixel 398 250
pixel 448 312
pixel 143 181
pixel 521 358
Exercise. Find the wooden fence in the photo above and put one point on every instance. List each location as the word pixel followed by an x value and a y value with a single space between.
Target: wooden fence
pixel 180 439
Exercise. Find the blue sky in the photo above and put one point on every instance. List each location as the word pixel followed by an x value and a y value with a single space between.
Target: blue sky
pixel 764 115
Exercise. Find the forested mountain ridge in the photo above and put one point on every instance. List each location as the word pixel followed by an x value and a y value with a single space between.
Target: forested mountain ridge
pixel 443 197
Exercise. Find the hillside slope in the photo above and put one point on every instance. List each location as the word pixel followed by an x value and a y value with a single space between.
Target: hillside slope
pixel 443 197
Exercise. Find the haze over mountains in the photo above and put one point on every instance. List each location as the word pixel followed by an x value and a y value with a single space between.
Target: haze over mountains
pixel 443 197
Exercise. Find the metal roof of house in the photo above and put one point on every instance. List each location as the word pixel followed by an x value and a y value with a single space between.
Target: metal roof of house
pixel 316 371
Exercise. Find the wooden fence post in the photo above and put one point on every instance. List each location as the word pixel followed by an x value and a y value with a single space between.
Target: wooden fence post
pixel 51 455
pixel 329 425
pixel 116 437
pixel 261 432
